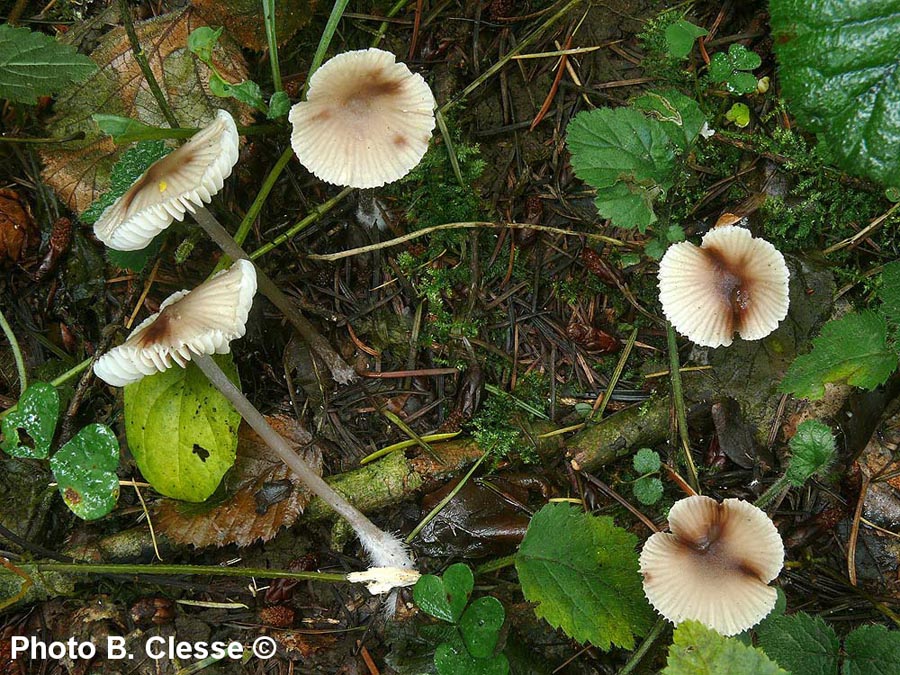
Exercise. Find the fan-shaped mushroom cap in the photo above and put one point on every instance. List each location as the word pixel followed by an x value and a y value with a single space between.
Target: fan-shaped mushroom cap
pixel 715 565
pixel 367 120
pixel 202 321
pixel 732 283
pixel 184 179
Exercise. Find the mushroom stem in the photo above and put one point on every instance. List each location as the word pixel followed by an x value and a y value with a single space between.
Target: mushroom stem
pixel 384 549
pixel 340 371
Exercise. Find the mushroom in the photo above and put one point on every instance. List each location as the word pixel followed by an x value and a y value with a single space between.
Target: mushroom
pixel 367 120
pixel 732 283
pixel 715 565
pixel 192 325
pixel 181 182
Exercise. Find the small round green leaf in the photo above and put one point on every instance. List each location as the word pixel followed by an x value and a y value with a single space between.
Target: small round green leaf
pixel 480 626
pixel 85 469
pixel 646 461
pixel 648 490
pixel 445 598
pixel 452 658
pixel 680 37
pixel 28 430
pixel 182 431
pixel 742 58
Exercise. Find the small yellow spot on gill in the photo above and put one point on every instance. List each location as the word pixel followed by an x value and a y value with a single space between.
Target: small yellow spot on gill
pixel 163 185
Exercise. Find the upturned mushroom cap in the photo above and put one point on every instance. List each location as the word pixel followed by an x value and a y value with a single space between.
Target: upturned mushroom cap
pixel 732 283
pixel 367 120
pixel 184 179
pixel 715 565
pixel 202 321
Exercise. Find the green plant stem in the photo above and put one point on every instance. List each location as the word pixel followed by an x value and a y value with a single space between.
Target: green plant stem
pixel 77 136
pixel 272 38
pixel 310 218
pixel 392 12
pixel 774 490
pixel 680 413
pixel 614 380
pixel 638 654
pixel 141 58
pixel 337 11
pixel 451 152
pixel 17 353
pixel 494 565
pixel 255 208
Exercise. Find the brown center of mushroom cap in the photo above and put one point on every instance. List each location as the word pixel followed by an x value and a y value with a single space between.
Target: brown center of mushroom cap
pixel 161 328
pixel 710 546
pixel 369 91
pixel 732 283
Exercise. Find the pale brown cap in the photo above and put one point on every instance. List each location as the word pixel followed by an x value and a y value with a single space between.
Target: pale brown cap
pixel 715 565
pixel 367 120
pixel 732 283
pixel 202 321
pixel 186 178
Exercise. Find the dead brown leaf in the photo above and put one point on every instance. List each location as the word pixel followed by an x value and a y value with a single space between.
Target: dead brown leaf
pixel 243 19
pixel 263 495
pixel 18 231
pixel 79 171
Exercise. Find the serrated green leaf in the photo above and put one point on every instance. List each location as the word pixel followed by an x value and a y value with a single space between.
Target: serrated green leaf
pixel 655 249
pixel 85 469
pixel 627 157
pixel 680 37
pixel 480 626
pixel 28 430
pixel 452 658
pixel 136 260
pixel 33 64
pixel 648 490
pixel 872 650
pixel 279 105
pixel 445 597
pixel 646 460
pixel 182 431
pixel 803 644
pixel 698 650
pixel 582 571
pixel 889 294
pixel 812 450
pixel 839 74
pixel 852 349
pixel 680 115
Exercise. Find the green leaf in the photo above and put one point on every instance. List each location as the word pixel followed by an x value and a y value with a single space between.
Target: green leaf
pixel 582 571
pixel 452 658
pixel 812 450
pixel 872 650
pixel 680 37
pixel 445 597
pixel 698 650
pixel 246 92
pixel 202 41
pixel 852 349
pixel 28 430
pixel 802 644
pixel 33 64
pixel 730 68
pixel 136 260
pixel 648 490
pixel 182 431
pixel 627 157
pixel 128 130
pixel 680 115
pixel 85 469
pixel 654 249
pixel 279 105
pixel 839 74
pixel 742 58
pixel 739 115
pixel 889 294
pixel 646 460
pixel 480 626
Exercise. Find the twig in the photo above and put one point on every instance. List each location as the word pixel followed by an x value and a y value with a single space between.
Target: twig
pixel 680 413
pixel 854 530
pixel 17 353
pixel 446 500
pixel 638 654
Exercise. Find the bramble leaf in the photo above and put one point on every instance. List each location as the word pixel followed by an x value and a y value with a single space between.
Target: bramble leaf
pixel 698 650
pixel 85 469
pixel 852 349
pixel 839 74
pixel 627 157
pixel 582 571
pixel 28 430
pixel 33 64
pixel 872 650
pixel 680 37
pixel 803 644
pixel 680 115
pixel 812 450
pixel 182 431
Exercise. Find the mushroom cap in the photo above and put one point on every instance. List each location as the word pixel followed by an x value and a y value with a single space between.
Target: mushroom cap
pixel 715 565
pixel 367 120
pixel 202 321
pixel 185 178
pixel 733 282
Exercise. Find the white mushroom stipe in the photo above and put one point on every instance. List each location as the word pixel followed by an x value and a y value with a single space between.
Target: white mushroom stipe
pixel 381 580
pixel 202 321
pixel 180 182
pixel 367 120
pixel 715 565
pixel 732 283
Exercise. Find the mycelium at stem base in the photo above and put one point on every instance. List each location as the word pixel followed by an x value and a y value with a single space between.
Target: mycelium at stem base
pixel 340 371
pixel 384 549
